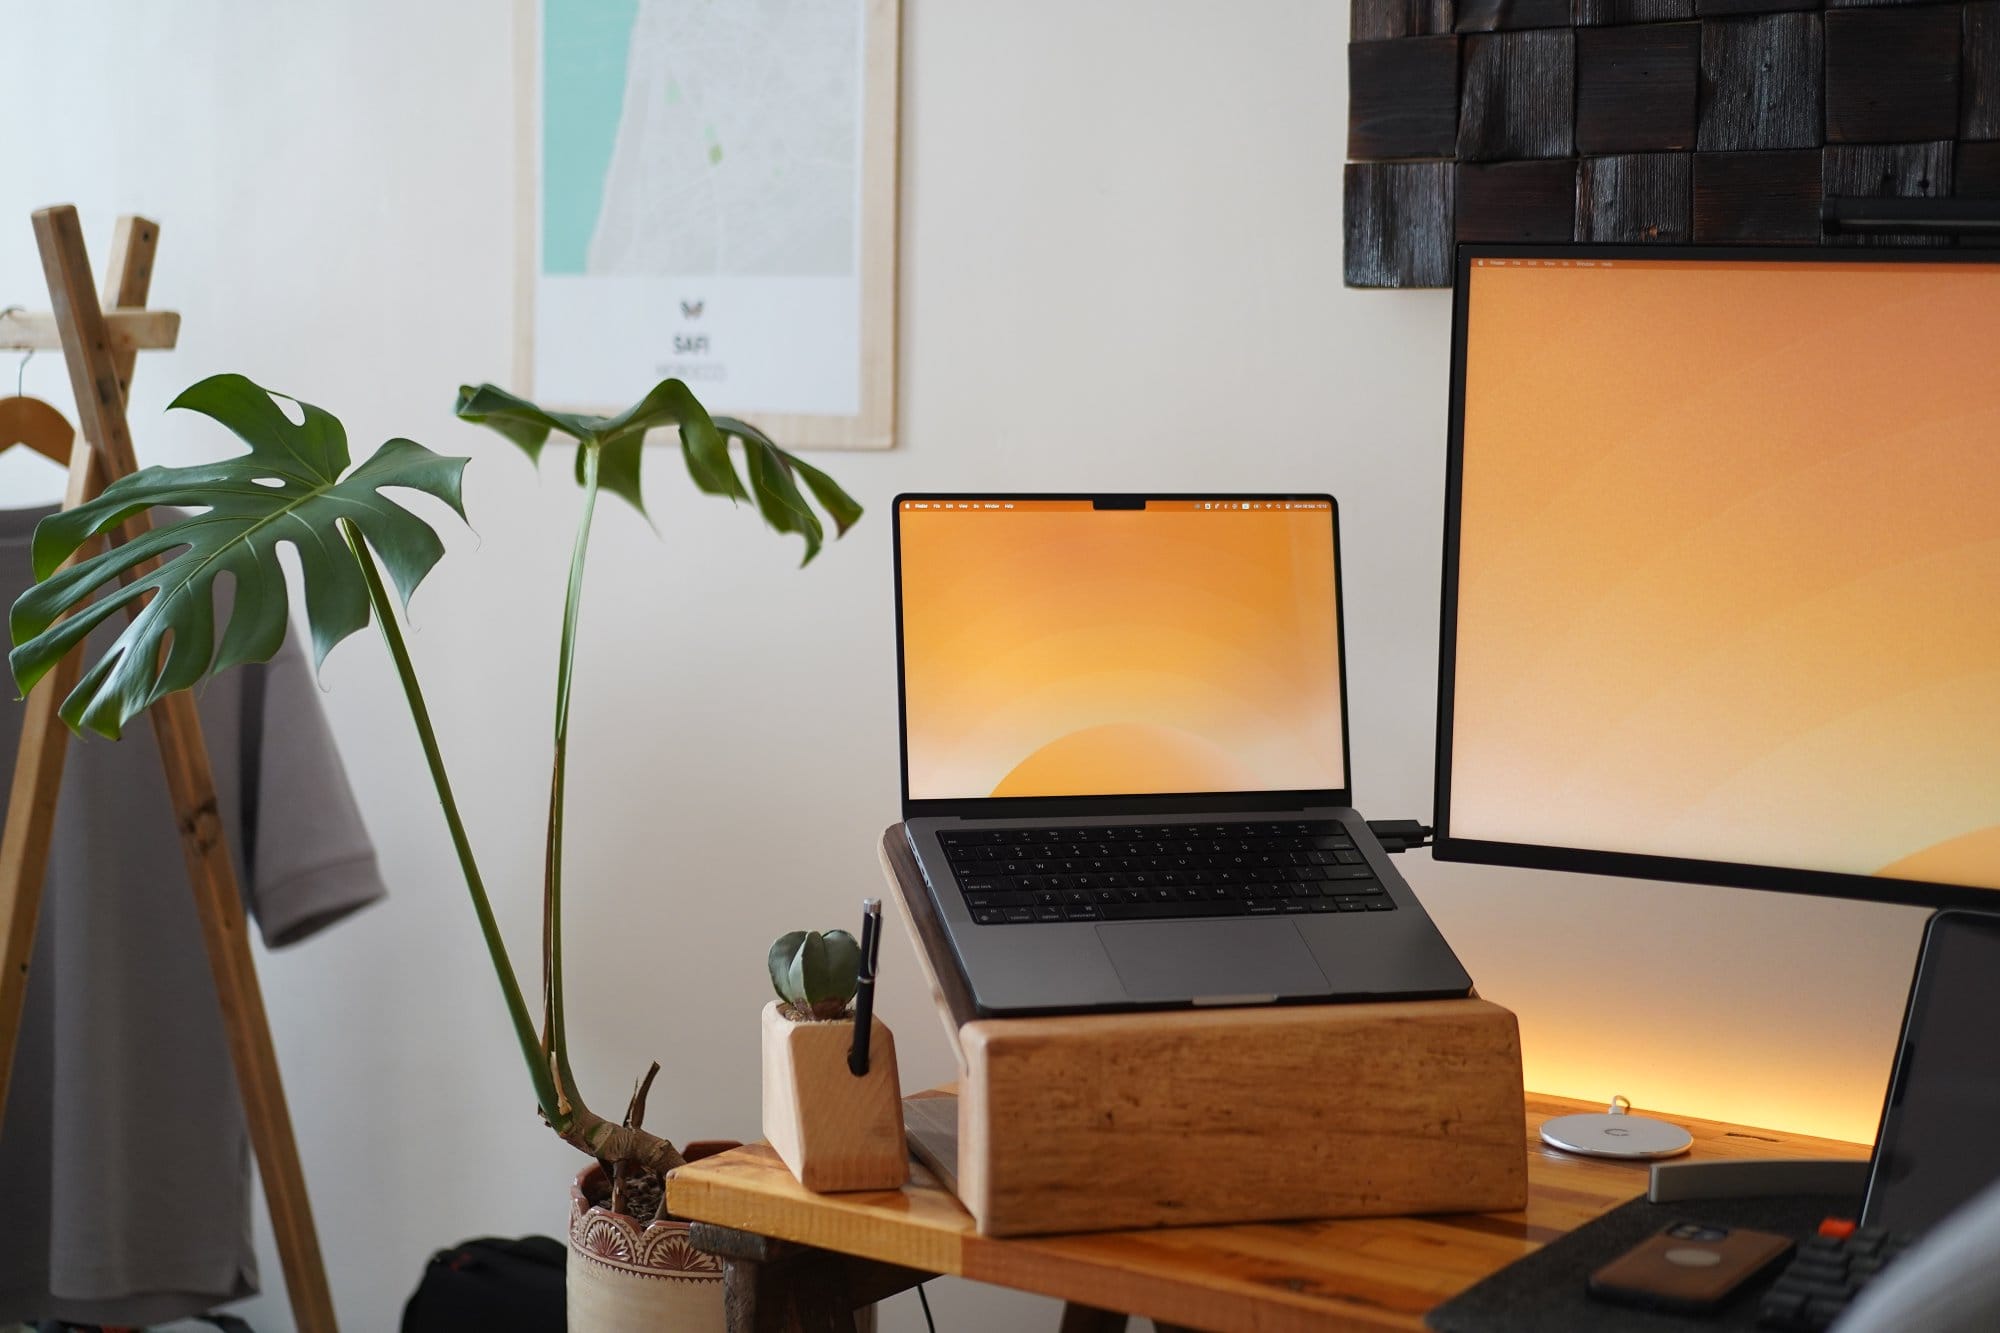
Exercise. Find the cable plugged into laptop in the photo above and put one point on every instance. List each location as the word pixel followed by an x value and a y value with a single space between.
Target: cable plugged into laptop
pixel 1400 835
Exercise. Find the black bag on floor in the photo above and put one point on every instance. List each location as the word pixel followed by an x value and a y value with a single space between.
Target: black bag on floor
pixel 492 1286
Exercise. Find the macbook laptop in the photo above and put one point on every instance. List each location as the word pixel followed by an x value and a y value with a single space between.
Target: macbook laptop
pixel 1125 773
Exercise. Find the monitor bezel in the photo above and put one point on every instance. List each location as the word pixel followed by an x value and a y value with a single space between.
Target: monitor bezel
pixel 1037 807
pixel 1536 856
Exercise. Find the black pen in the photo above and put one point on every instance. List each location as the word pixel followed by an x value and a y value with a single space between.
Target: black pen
pixel 864 985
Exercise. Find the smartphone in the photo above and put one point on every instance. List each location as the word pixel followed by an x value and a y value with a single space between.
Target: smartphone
pixel 1688 1267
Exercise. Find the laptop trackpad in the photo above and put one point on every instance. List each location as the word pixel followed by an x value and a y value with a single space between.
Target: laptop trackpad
pixel 1210 960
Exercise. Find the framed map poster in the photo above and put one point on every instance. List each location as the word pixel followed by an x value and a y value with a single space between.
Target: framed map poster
pixel 709 192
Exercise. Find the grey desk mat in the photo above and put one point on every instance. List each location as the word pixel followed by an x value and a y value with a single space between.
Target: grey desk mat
pixel 1544 1293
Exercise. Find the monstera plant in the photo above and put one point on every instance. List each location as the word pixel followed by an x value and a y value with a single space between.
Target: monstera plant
pixel 295 487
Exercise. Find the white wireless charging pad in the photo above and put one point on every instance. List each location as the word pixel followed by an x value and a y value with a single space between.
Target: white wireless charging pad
pixel 1616 1134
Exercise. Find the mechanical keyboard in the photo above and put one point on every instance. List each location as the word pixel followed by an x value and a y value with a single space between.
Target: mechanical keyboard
pixel 1130 872
pixel 1826 1273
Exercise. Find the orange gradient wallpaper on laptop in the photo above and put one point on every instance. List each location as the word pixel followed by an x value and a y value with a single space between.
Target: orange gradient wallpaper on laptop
pixel 1053 650
pixel 1730 565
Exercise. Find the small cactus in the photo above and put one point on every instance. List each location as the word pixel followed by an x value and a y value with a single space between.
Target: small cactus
pixel 814 974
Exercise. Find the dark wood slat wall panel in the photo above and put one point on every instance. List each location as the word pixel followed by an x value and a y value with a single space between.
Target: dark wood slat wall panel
pixel 1760 83
pixel 1402 98
pixel 1975 174
pixel 1979 72
pixel 1380 20
pixel 1887 171
pixel 1599 13
pixel 1399 220
pixel 1507 15
pixel 1517 95
pixel 1892 74
pixel 1528 203
pixel 1725 8
pixel 1636 198
pixel 1655 121
pixel 1637 87
pixel 1976 171
pixel 1752 198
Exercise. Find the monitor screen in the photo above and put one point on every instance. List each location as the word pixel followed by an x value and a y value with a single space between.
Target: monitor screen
pixel 1723 569
pixel 1056 648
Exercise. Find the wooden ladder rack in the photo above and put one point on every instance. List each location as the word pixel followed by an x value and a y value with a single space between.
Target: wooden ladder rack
pixel 100 346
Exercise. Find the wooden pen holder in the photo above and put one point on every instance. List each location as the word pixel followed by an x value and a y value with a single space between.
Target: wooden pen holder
pixel 836 1131
pixel 1097 1122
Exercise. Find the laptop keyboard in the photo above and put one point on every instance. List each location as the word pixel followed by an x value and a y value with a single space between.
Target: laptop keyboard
pixel 1136 872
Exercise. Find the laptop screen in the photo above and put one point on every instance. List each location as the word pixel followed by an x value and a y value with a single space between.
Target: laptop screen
pixel 1056 647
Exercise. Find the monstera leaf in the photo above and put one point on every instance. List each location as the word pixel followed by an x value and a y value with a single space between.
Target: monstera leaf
pixel 619 441
pixel 288 489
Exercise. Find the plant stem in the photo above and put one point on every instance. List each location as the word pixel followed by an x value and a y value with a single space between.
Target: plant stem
pixel 496 947
pixel 556 1032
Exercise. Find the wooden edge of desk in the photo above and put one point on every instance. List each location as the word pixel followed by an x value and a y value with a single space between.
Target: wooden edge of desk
pixel 1357 1273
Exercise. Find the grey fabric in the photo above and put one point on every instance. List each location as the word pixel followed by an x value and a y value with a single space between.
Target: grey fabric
pixel 1948 1283
pixel 124 1158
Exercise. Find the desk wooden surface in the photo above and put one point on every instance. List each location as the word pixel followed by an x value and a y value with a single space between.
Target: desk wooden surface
pixel 1360 1273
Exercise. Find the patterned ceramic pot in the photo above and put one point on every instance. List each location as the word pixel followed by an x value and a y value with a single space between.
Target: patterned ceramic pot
pixel 627 1278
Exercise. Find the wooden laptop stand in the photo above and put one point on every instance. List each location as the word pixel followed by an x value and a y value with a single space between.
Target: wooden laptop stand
pixel 1099 1122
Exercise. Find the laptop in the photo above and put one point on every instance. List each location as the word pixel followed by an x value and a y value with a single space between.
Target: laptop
pixel 1125 772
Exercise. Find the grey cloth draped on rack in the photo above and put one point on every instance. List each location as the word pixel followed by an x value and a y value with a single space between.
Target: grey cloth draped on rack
pixel 124 1157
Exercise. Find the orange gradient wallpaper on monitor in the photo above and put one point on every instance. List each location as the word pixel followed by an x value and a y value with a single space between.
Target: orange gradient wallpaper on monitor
pixel 1729 565
pixel 1050 649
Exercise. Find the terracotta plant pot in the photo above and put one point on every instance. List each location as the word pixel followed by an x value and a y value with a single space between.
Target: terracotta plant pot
pixel 628 1278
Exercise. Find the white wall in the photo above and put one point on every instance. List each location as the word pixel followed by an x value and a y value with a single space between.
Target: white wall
pixel 1120 268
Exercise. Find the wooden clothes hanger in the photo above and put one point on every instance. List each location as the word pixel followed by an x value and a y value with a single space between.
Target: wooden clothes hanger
pixel 32 422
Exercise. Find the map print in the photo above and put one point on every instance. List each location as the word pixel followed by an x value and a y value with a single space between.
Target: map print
pixel 699 202
pixel 726 159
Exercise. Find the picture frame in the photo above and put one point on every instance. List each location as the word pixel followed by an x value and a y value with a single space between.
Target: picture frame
pixel 793 326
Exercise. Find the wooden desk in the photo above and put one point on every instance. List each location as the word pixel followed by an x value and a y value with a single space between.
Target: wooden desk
pixel 1361 1273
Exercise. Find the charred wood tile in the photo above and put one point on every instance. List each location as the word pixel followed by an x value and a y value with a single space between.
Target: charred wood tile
pixel 1760 83
pixel 1522 202
pixel 1398 224
pixel 1635 198
pixel 1979 73
pixel 1735 8
pixel 1517 95
pixel 1508 15
pixel 1750 198
pixel 1402 98
pixel 1637 88
pixel 1379 20
pixel 1892 74
pixel 1599 13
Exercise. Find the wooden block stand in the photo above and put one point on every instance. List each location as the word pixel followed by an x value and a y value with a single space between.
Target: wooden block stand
pixel 1109 1121
pixel 835 1131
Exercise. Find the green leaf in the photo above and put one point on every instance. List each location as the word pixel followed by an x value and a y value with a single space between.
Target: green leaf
pixel 288 489
pixel 839 505
pixel 619 442
pixel 779 961
pixel 814 971
pixel 843 964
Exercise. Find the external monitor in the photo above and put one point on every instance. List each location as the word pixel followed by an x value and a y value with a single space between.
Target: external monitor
pixel 1722 568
